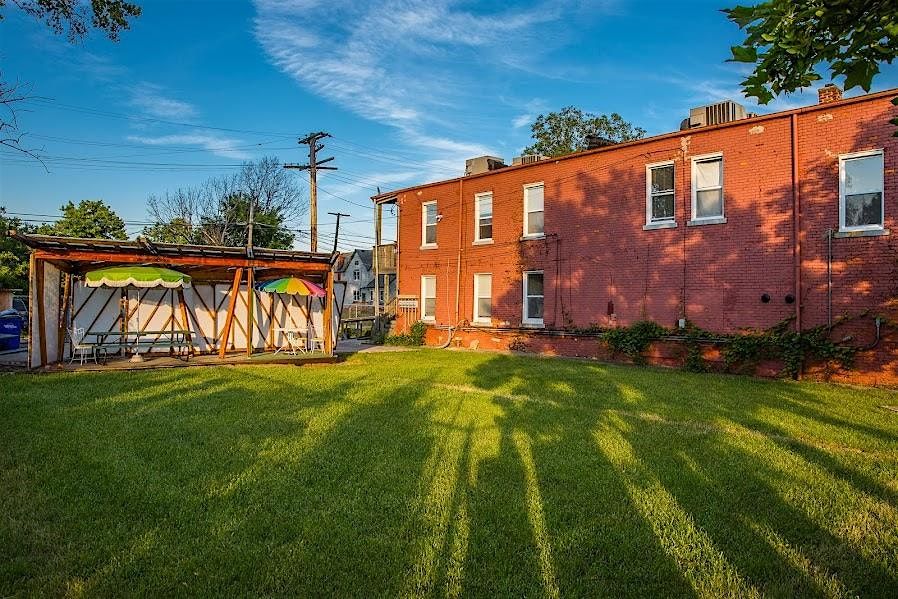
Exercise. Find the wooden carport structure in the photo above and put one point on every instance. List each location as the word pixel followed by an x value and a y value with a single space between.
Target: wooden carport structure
pixel 221 308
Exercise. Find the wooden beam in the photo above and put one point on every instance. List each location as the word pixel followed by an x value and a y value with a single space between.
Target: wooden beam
pixel 250 317
pixel 328 313
pixel 63 317
pixel 41 323
pixel 235 289
pixel 185 321
pixel 295 266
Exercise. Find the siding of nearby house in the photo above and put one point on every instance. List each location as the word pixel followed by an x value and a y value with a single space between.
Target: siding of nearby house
pixel 600 265
pixel 357 288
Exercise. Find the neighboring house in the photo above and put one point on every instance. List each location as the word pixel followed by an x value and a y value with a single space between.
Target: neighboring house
pixel 355 269
pixel 732 222
pixel 386 294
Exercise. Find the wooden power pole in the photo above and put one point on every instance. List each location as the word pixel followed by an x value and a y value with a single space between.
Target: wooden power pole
pixel 337 229
pixel 314 165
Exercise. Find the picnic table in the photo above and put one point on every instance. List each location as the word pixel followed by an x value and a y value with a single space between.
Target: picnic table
pixel 174 339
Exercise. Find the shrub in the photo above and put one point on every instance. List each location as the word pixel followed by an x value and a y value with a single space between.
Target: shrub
pixel 634 339
pixel 415 336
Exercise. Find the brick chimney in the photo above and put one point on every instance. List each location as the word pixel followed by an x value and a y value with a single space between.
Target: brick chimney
pixel 829 93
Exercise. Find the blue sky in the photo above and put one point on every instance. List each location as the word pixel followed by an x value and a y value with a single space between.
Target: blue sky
pixel 409 89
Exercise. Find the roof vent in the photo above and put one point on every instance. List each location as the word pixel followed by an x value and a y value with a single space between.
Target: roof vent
pixel 482 164
pixel 714 114
pixel 527 159
pixel 597 141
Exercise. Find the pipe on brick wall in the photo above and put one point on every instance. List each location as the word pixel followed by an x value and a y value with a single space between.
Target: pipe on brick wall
pixel 461 215
pixel 796 220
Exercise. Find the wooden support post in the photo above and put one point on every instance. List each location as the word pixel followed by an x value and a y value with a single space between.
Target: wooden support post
pixel 63 317
pixel 271 298
pixel 226 333
pixel 250 317
pixel 328 313
pixel 185 321
pixel 41 315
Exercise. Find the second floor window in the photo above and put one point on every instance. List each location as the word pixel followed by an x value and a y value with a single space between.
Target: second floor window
pixel 533 210
pixel 707 187
pixel 429 224
pixel 356 295
pixel 428 297
pixel 483 216
pixel 861 191
pixel 659 193
pixel 356 275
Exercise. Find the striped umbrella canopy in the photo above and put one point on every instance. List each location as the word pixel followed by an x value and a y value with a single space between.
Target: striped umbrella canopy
pixel 292 286
pixel 136 276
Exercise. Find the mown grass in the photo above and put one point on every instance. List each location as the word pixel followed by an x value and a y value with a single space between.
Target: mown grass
pixel 445 473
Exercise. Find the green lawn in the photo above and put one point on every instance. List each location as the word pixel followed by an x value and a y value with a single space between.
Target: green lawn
pixel 445 473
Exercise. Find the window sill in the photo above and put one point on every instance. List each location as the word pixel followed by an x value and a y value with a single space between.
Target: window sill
pixel 862 233
pixel 719 220
pixel 428 246
pixel 533 236
pixel 533 325
pixel 482 242
pixel 428 320
pixel 481 323
pixel 661 225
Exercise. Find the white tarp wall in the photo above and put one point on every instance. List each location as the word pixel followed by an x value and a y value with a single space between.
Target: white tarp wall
pixel 101 309
pixel 46 304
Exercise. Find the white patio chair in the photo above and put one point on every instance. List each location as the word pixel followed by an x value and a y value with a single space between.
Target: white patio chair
pixel 79 348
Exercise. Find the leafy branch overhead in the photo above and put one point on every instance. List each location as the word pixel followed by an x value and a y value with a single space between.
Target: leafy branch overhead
pixel 567 131
pixel 787 40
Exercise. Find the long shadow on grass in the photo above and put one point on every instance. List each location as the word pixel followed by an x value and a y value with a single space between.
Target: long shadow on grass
pixel 683 476
pixel 586 535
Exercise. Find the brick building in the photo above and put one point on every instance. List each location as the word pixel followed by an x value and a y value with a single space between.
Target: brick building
pixel 735 225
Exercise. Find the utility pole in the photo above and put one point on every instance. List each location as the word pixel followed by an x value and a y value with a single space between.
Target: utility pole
pixel 312 140
pixel 337 230
pixel 249 227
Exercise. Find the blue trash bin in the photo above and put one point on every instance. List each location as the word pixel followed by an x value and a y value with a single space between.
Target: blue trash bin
pixel 10 330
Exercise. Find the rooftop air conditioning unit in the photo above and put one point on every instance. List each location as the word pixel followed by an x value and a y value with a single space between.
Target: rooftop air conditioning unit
pixel 714 114
pixel 527 159
pixel 482 164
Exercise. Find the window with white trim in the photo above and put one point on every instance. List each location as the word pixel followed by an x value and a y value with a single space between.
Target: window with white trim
pixel 659 192
pixel 356 295
pixel 861 197
pixel 429 224
pixel 356 275
pixel 483 298
pixel 483 217
pixel 707 187
pixel 533 297
pixel 533 209
pixel 428 297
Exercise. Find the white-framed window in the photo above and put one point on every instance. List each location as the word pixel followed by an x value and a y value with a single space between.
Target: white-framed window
pixel 707 187
pixel 429 224
pixel 356 295
pixel 356 275
pixel 659 193
pixel 483 217
pixel 861 197
pixel 533 298
pixel 428 297
pixel 483 298
pixel 534 194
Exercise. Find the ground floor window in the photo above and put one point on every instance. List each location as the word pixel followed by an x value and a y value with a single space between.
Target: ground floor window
pixel 861 191
pixel 533 297
pixel 428 297
pixel 483 297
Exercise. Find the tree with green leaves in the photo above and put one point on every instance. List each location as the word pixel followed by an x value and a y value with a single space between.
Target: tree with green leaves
pixel 787 41
pixel 92 219
pixel 567 130
pixel 13 255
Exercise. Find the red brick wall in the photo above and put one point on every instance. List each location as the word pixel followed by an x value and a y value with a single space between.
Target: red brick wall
pixel 596 252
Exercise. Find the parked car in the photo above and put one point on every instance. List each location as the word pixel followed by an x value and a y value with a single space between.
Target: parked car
pixel 20 305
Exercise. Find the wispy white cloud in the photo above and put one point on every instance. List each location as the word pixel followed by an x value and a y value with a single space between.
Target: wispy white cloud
pixel 220 146
pixel 152 100
pixel 419 66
